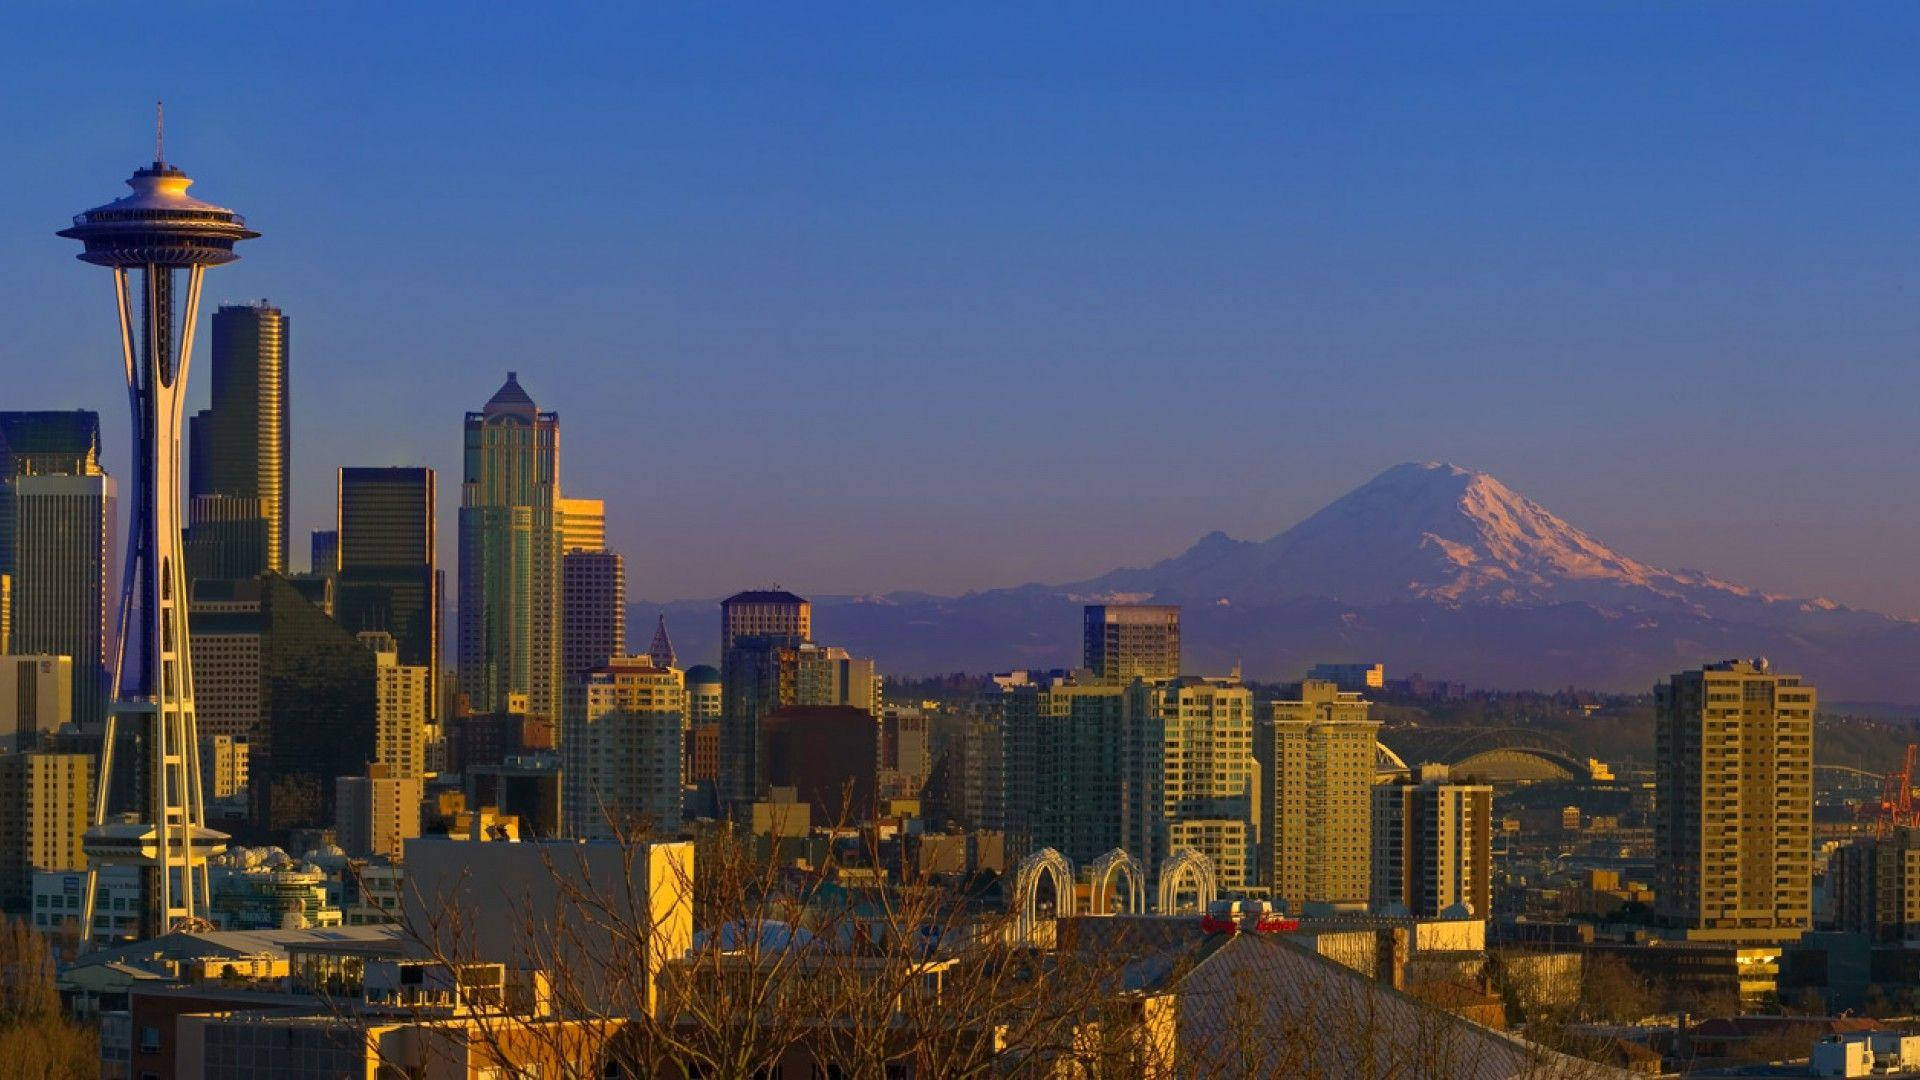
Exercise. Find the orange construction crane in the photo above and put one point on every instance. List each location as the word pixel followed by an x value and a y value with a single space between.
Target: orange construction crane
pixel 1896 808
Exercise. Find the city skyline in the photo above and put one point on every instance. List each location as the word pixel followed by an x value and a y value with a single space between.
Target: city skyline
pixel 1494 270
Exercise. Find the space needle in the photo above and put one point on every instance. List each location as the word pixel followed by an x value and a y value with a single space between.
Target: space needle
pixel 154 241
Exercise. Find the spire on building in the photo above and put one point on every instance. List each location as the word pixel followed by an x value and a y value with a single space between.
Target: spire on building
pixel 661 651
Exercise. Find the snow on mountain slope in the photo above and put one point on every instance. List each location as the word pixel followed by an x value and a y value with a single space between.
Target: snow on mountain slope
pixel 1425 531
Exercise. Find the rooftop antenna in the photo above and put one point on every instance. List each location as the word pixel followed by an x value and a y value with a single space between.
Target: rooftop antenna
pixel 159 132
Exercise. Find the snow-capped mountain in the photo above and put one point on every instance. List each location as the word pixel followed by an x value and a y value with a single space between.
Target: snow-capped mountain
pixel 1423 531
pixel 1427 567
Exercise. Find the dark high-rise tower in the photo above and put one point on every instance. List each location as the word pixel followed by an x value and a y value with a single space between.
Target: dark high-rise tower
pixel 385 563
pixel 56 524
pixel 239 448
pixel 148 239
pixel 510 555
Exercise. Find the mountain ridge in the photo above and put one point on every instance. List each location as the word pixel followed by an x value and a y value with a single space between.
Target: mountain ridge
pixel 1427 566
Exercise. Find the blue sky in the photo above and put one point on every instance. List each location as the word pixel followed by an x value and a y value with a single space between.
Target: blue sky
pixel 855 298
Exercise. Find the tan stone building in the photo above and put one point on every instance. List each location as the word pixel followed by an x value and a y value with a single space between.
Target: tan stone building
pixel 1316 760
pixel 1733 825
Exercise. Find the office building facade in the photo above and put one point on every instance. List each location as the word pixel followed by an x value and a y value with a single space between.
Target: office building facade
pixel 36 697
pixel 593 589
pixel 764 612
pixel 386 564
pixel 510 553
pixel 56 543
pixel 1132 641
pixel 240 449
pixel 1065 766
pixel 1733 798
pixel 45 807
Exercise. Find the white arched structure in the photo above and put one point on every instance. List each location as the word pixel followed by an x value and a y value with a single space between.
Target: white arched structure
pixel 1026 888
pixel 1117 861
pixel 1187 869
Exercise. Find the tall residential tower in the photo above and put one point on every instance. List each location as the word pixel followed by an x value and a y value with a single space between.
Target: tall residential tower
pixel 1733 798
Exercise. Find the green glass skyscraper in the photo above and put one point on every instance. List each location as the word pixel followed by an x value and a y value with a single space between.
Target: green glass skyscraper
pixel 510 555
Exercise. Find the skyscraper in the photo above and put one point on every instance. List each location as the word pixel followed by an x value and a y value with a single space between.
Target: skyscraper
pixel 1316 756
pixel 239 447
pixel 1433 845
pixel 1733 798
pixel 510 555
pixel 1126 641
pixel 36 698
pixel 56 525
pixel 147 237
pixel 759 674
pixel 385 563
pixel 593 589
pixel 764 611
pixel 583 524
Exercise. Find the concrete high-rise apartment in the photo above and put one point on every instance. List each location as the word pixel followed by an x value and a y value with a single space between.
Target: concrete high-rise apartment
pixel 239 449
pixel 1875 885
pixel 46 801
pixel 593 589
pixel 583 524
pixel 1316 760
pixel 510 555
pixel 36 697
pixel 403 721
pixel 1127 641
pixel 758 612
pixel 1064 766
pixel 376 814
pixel 1733 797
pixel 829 675
pixel 56 531
pixel 1190 775
pixel 1433 846
pixel 623 753
pixel 385 561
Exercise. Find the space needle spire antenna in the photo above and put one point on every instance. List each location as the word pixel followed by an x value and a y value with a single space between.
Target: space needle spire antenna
pixel 159 131
pixel 152 240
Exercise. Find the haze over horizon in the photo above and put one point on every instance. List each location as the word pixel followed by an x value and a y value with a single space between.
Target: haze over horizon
pixel 1047 292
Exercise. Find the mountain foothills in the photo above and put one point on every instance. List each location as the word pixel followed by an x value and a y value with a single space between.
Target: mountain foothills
pixel 1429 567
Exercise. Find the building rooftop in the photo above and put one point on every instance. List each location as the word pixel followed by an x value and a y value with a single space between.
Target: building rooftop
pixel 764 596
pixel 510 398
pixel 703 675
